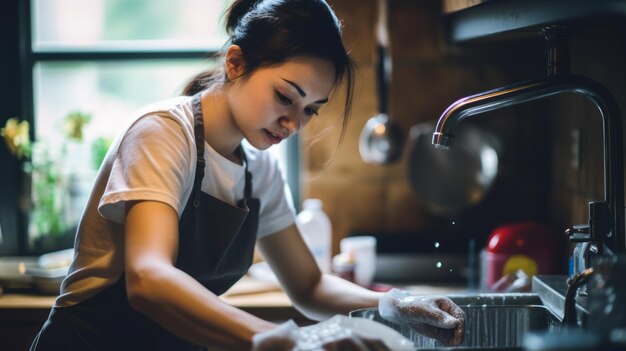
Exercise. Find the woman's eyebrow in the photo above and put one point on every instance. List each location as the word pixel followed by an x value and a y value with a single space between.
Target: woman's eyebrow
pixel 302 93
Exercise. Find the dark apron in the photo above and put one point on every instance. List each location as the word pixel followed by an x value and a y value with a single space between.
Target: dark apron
pixel 216 245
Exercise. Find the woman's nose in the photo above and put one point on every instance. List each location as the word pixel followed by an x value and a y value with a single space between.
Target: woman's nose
pixel 291 123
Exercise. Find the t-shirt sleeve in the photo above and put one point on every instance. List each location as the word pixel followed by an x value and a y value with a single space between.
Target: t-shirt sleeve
pixel 152 163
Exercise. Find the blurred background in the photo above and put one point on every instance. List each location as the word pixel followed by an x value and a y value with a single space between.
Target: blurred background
pixel 70 64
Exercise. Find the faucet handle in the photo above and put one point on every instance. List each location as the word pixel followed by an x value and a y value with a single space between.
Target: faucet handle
pixel 569 308
pixel 578 233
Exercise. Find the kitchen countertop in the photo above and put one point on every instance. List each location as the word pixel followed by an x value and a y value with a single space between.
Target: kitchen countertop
pixel 22 311
pixel 247 293
pixel 262 299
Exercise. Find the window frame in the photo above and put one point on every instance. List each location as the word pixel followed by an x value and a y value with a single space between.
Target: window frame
pixel 14 221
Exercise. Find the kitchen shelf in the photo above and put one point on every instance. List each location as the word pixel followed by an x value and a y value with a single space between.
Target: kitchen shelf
pixel 512 19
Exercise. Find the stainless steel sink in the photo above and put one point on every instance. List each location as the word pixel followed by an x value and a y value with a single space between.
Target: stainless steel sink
pixel 495 299
pixel 492 321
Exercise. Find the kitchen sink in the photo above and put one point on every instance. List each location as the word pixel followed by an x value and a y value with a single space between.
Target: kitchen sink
pixel 495 299
pixel 492 321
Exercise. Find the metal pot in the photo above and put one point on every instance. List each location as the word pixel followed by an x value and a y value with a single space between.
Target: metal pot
pixel 448 181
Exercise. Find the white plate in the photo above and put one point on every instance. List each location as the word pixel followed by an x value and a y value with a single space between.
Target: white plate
pixel 340 326
pixel 14 268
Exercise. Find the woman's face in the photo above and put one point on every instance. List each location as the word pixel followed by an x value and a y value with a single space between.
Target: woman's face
pixel 273 103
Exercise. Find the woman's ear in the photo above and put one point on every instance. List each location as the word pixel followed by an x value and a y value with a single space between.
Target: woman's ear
pixel 235 65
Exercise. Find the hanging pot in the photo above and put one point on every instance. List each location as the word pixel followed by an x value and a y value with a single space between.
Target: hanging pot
pixel 448 181
pixel 381 140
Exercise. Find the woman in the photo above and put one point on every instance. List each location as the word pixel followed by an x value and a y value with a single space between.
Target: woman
pixel 180 202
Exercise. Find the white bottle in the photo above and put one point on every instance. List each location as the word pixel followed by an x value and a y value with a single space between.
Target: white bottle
pixel 316 230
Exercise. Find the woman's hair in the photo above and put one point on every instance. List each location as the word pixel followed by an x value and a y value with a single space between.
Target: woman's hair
pixel 270 32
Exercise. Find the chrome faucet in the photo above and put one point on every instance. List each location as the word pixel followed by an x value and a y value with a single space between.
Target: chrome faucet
pixel 607 221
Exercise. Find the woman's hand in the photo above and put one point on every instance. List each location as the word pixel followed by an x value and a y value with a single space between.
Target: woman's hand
pixel 281 338
pixel 288 337
pixel 436 317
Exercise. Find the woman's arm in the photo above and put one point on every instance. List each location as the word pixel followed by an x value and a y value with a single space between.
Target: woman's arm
pixel 318 296
pixel 169 296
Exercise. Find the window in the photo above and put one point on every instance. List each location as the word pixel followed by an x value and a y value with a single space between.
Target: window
pixel 103 59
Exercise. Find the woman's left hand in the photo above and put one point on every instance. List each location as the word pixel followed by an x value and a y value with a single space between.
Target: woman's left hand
pixel 436 317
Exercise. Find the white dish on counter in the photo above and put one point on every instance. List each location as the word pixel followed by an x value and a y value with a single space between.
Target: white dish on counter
pixel 13 271
pixel 45 273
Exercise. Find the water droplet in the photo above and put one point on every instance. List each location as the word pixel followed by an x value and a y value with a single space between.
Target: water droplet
pixel 453 222
pixel 436 244
pixel 450 270
pixel 438 264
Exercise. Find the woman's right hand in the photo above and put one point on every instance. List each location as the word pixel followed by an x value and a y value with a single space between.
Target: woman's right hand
pixel 286 337
pixel 283 337
pixel 436 317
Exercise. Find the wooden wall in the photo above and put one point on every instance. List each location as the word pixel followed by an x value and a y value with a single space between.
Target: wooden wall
pixel 429 74
pixel 599 55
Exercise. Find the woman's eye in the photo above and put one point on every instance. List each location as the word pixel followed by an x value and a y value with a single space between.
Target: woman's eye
pixel 283 99
pixel 310 111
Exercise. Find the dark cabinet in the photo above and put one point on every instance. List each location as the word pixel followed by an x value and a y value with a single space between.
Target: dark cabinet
pixel 18 327
pixel 469 20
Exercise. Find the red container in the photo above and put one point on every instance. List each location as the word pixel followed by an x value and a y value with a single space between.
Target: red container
pixel 527 246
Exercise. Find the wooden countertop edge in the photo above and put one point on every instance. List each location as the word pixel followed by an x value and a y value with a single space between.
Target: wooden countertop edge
pixel 242 295
pixel 25 301
pixel 263 299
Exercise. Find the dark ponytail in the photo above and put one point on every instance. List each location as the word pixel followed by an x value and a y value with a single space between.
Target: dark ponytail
pixel 270 32
pixel 237 10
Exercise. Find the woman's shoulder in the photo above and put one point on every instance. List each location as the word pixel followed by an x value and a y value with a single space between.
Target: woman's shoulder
pixel 174 114
pixel 170 119
pixel 178 108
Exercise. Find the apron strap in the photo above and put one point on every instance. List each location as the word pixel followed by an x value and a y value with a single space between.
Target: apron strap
pixel 247 190
pixel 198 129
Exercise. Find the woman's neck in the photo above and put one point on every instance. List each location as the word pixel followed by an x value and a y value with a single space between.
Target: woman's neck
pixel 220 130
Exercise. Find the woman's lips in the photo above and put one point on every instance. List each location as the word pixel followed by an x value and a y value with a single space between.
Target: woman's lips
pixel 274 138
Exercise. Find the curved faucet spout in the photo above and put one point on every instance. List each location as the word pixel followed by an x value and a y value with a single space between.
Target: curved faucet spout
pixel 613 236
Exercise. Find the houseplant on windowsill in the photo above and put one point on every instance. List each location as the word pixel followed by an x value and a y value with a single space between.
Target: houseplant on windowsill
pixel 45 196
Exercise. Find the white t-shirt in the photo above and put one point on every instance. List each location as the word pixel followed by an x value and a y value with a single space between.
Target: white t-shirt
pixel 155 159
